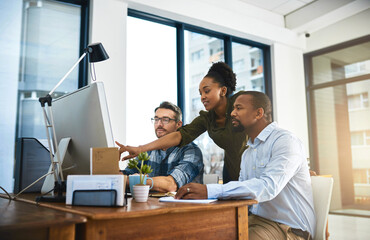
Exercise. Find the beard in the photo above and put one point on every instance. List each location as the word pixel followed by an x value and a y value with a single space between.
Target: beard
pixel 239 127
pixel 162 133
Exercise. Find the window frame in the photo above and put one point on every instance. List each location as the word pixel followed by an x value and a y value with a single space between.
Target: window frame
pixel 84 38
pixel 311 87
pixel 228 40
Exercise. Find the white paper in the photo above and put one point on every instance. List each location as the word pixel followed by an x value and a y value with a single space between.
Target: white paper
pixel 171 199
pixel 92 182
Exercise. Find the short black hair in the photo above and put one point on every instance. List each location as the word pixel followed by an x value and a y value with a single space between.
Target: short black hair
pixel 173 107
pixel 222 73
pixel 261 100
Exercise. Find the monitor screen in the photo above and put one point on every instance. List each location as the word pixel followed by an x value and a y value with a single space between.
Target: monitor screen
pixel 84 117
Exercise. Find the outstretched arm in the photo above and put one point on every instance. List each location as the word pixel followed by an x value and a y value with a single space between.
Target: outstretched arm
pixel 169 140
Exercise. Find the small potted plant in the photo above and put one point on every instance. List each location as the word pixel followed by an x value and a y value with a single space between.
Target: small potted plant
pixel 141 191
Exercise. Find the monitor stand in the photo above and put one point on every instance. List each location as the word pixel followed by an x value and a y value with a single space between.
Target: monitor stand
pixel 59 188
pixel 51 184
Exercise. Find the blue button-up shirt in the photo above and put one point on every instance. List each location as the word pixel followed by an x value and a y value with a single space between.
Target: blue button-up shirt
pixel 184 164
pixel 274 171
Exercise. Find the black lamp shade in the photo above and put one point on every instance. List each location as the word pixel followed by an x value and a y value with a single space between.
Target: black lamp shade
pixel 96 52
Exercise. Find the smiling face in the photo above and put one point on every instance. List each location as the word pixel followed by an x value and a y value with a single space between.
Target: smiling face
pixel 245 116
pixel 164 129
pixel 211 93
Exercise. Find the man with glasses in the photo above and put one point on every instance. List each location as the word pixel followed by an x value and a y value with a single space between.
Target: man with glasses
pixel 172 167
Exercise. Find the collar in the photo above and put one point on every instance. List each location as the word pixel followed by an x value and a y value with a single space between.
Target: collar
pixel 263 135
pixel 167 151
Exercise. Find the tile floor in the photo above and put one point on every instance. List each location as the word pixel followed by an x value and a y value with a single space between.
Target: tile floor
pixel 343 227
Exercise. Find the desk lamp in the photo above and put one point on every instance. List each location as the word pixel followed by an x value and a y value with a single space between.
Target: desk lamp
pixel 96 53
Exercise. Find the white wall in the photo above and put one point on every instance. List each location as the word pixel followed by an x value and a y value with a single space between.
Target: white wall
pixel 351 28
pixel 289 90
pixel 232 17
pixel 108 26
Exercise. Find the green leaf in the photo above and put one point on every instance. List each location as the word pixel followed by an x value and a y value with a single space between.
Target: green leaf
pixel 132 163
pixel 147 169
pixel 143 156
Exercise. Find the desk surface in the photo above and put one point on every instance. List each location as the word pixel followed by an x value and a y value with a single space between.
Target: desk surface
pixel 134 209
pixel 20 215
pixel 159 220
pixel 39 222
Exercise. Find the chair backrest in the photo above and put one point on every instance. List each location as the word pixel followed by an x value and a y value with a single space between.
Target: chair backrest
pixel 322 189
pixel 210 178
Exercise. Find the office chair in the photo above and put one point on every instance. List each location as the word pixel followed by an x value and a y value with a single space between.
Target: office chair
pixel 322 189
pixel 210 178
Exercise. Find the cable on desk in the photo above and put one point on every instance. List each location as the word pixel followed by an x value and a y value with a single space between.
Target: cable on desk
pixel 37 201
pixel 9 197
pixel 45 175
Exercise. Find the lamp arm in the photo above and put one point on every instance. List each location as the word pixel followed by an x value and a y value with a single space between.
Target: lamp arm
pixel 66 75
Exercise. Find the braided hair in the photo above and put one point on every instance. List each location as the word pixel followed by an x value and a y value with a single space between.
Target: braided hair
pixel 221 73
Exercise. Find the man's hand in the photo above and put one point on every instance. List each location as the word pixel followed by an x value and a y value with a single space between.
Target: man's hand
pixel 192 191
pixel 133 151
pixel 163 184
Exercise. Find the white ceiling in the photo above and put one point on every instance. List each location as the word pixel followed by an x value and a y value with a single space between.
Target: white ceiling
pixel 282 7
pixel 308 16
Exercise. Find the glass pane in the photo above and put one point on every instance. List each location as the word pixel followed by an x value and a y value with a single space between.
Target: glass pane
pixel 341 64
pixel 359 123
pixel 50 47
pixel 248 67
pixel 343 133
pixel 200 52
pixel 151 75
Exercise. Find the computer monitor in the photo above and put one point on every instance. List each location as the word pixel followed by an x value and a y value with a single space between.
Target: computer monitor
pixel 84 117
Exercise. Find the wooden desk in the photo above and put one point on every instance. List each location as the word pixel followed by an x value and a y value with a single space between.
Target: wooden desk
pixel 157 220
pixel 20 220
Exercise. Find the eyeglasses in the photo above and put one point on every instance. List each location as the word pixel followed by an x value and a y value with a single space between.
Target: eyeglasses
pixel 164 120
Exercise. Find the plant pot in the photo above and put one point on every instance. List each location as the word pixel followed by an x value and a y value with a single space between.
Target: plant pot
pixel 141 193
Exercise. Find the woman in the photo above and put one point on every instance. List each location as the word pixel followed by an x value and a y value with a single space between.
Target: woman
pixel 215 90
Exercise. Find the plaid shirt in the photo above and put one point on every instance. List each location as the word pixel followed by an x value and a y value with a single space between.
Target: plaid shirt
pixel 184 164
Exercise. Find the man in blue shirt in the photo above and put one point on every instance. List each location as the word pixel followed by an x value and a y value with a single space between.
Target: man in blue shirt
pixel 172 167
pixel 274 171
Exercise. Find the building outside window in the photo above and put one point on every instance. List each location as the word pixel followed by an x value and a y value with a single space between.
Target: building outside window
pixel 41 42
pixel 50 46
pixel 338 92
pixel 358 101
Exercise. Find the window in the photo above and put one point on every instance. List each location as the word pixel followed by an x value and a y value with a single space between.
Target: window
pixel 248 66
pixel 198 55
pixel 196 78
pixel 358 101
pixel 356 69
pixel 239 65
pixel 196 49
pixel 193 104
pixel 49 29
pixel 338 97
pixel 151 71
pixel 41 42
pixel 360 138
